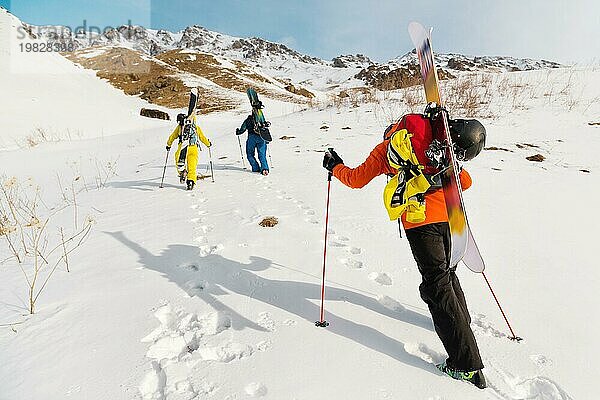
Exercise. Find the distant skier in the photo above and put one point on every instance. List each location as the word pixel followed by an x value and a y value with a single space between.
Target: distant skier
pixel 186 157
pixel 255 143
pixel 414 194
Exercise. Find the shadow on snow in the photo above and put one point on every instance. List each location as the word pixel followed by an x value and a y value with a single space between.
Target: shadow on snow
pixel 209 277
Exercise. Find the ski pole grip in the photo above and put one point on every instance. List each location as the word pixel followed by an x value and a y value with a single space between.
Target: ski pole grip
pixel 330 173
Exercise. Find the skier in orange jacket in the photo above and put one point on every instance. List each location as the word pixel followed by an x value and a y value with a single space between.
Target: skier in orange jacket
pixel 421 208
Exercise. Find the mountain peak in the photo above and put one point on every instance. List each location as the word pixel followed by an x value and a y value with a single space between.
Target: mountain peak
pixel 352 60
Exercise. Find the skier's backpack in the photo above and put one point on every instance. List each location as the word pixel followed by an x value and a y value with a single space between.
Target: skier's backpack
pixel 419 127
pixel 409 139
pixel 188 131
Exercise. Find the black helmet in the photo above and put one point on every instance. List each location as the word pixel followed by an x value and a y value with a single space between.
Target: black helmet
pixel 180 119
pixel 468 136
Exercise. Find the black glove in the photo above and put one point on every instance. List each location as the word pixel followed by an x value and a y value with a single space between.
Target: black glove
pixel 209 143
pixel 331 159
pixel 237 131
pixel 168 148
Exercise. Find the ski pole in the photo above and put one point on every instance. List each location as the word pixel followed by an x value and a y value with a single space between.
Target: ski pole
pixel 212 174
pixel 241 152
pixel 321 322
pixel 514 337
pixel 164 170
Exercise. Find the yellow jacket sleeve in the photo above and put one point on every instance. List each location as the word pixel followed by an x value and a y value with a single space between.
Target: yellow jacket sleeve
pixel 202 138
pixel 174 135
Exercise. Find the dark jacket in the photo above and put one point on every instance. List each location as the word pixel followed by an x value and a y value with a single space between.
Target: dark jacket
pixel 248 125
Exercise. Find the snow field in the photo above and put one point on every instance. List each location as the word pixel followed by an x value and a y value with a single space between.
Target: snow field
pixel 182 295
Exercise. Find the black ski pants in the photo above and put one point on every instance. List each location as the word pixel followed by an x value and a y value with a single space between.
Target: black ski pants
pixel 440 289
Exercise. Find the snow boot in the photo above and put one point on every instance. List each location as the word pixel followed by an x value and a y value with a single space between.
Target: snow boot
pixel 182 176
pixel 474 377
pixel 190 184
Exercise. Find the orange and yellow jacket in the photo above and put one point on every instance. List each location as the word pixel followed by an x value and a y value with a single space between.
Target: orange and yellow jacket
pixel 377 164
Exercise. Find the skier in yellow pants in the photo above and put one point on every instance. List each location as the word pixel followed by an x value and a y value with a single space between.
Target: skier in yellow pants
pixel 186 157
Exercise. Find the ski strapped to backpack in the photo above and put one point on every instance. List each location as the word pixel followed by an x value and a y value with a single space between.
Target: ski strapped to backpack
pixel 261 126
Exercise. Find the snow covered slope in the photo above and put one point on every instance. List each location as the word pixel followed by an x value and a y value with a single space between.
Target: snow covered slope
pixel 183 295
pixel 48 98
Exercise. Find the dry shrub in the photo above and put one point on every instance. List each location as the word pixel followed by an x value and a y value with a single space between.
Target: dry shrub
pixel 468 95
pixel 413 98
pixel 25 226
pixel 394 104
pixel 354 97
pixel 105 171
pixel 42 135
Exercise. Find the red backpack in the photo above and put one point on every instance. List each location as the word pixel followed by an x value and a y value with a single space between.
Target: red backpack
pixel 420 128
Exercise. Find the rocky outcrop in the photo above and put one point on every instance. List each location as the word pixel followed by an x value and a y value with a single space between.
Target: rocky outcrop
pixel 278 59
pixel 299 91
pixel 138 75
pixel 193 36
pixel 352 61
pixel 257 49
pixel 152 113
pixel 384 78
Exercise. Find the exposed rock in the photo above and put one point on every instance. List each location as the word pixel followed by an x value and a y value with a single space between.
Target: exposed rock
pixel 257 49
pixel 152 113
pixel 536 158
pixel 353 60
pixel 382 78
pixel 236 77
pixel 299 91
pixel 497 149
pixel 524 145
pixel 193 36
pixel 268 222
pixel 129 71
pixel 460 64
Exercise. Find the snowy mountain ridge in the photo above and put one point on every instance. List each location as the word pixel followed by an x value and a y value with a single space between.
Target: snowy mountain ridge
pixel 276 59
pixel 461 62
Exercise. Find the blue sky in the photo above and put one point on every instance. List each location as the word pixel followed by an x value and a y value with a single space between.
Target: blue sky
pixel 550 29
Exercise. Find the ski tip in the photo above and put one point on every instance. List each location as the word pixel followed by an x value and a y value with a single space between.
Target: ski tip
pixel 417 33
pixel 414 25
